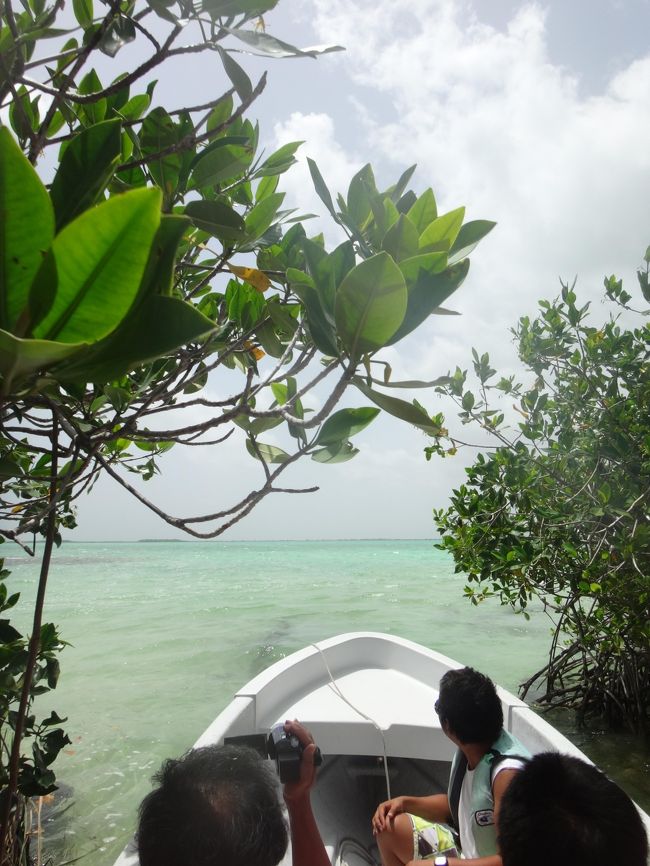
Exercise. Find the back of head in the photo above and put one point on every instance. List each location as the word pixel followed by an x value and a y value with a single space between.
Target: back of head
pixel 562 809
pixel 469 703
pixel 215 806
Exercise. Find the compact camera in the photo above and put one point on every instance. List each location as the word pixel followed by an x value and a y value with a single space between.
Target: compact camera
pixel 282 747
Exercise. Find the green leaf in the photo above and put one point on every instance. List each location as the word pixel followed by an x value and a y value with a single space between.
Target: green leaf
pixel 95 112
pixel 280 161
pixel 85 169
pixel 83 12
pixel 370 305
pixel 395 192
pixel 443 230
pixel 401 239
pixel 422 265
pixel 158 133
pixel 158 275
pixel 321 187
pixel 221 162
pixel 413 414
pixel 135 107
pixel 260 217
pixel 26 228
pixel 321 325
pixel 158 327
pixel 240 80
pixel 216 218
pixel 361 188
pixel 424 211
pixel 20 357
pixel 468 237
pixel 267 453
pixel 9 468
pixel 100 259
pixel 268 46
pixel 345 423
pixel 426 295
pixel 339 453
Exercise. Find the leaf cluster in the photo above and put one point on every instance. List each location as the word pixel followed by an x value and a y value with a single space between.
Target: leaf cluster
pixel 558 511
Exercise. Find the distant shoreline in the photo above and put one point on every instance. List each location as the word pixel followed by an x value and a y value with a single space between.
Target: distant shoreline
pixel 234 540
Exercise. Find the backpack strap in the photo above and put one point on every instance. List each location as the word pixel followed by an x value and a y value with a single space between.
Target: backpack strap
pixel 498 758
pixel 455 784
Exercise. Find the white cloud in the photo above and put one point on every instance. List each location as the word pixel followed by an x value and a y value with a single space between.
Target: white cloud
pixel 494 124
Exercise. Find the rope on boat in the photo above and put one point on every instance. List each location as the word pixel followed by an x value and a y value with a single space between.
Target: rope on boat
pixel 335 688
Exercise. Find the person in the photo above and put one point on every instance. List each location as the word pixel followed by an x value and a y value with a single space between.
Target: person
pixel 561 809
pixel 410 830
pixel 219 806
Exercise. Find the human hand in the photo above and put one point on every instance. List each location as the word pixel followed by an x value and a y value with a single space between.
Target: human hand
pixel 296 790
pixel 385 813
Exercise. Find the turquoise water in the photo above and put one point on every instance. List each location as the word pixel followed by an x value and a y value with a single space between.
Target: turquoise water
pixel 163 634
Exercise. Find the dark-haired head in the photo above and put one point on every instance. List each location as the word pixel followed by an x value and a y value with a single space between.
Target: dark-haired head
pixel 215 806
pixel 563 809
pixel 469 704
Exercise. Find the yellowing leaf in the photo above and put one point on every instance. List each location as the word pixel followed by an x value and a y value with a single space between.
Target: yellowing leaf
pixel 257 279
pixel 255 351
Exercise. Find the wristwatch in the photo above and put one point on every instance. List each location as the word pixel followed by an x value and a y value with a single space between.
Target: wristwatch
pixel 440 861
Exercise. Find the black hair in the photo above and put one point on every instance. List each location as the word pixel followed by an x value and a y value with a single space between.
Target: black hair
pixel 564 809
pixel 469 703
pixel 215 806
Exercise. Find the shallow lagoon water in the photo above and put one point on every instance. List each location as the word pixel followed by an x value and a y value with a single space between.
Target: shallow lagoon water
pixel 163 634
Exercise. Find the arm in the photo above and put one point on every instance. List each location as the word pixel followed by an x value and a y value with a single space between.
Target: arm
pixel 501 782
pixel 306 844
pixel 432 808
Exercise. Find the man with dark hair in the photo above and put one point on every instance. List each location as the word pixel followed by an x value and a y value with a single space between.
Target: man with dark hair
pixel 410 830
pixel 587 818
pixel 219 806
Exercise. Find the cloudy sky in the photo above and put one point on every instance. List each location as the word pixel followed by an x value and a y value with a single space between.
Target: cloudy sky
pixel 535 115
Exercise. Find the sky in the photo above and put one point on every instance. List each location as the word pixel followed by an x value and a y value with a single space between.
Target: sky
pixel 535 115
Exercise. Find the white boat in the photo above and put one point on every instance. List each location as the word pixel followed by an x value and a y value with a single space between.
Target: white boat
pixel 361 695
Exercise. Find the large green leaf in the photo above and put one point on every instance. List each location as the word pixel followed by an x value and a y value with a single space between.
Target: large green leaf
pixel 85 169
pixel 158 327
pixel 428 292
pixel 443 230
pixel 345 423
pixel 260 217
pixel 100 259
pixel 401 239
pixel 216 218
pixel 398 408
pixel 220 162
pixel 240 80
pixel 370 305
pixel 158 277
pixel 429 263
pixel 26 228
pixel 468 237
pixel 19 357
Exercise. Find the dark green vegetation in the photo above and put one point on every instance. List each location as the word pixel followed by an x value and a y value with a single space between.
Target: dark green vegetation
pixel 154 254
pixel 558 512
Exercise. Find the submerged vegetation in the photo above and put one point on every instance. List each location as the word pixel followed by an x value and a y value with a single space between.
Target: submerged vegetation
pixel 559 510
pixel 150 250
